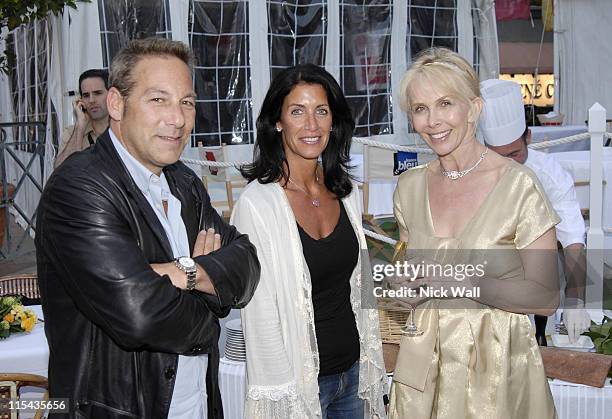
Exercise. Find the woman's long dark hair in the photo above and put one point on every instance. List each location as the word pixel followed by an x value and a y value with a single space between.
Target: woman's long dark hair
pixel 269 154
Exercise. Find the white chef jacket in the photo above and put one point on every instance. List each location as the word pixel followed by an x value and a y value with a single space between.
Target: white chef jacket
pixel 559 187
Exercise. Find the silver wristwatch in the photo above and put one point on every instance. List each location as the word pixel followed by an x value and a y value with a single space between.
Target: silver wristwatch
pixel 187 265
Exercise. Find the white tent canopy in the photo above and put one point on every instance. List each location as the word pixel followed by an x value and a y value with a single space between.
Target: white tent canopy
pixel 239 45
pixel 583 45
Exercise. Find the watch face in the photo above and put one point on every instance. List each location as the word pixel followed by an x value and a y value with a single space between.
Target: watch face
pixel 186 262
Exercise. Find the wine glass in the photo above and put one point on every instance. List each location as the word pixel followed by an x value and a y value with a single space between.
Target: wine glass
pixel 410 329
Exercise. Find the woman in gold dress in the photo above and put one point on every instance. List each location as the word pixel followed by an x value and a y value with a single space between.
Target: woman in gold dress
pixel 477 357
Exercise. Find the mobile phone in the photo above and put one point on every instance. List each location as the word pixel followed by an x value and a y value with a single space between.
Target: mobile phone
pixel 83 109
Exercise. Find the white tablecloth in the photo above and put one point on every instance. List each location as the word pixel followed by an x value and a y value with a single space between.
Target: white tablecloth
pixel 232 384
pixel 26 352
pixel 576 401
pixel 546 133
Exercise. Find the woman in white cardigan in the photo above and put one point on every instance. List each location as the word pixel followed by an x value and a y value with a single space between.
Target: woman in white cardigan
pixel 313 351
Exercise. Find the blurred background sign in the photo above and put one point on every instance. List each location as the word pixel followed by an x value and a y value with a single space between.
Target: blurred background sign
pixel 540 89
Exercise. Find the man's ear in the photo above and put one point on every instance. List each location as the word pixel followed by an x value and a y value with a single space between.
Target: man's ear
pixel 475 109
pixel 528 136
pixel 115 103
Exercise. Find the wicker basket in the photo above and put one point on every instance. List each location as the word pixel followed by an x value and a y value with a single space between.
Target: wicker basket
pixel 391 320
pixel 391 315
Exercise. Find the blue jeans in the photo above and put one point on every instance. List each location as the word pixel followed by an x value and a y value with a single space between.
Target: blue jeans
pixel 338 395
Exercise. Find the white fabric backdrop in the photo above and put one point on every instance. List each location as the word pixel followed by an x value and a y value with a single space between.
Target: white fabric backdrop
pixel 80 49
pixel 487 44
pixel 5 94
pixel 75 45
pixel 585 57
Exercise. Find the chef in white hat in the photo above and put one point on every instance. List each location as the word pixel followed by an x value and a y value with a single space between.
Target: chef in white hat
pixel 502 124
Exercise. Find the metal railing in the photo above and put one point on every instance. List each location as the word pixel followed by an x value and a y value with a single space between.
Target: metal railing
pixel 9 153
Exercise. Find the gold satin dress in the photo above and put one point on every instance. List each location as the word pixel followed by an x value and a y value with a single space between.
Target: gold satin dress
pixel 473 360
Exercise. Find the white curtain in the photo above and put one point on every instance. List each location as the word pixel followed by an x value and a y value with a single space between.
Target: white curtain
pixel 485 27
pixel 399 65
pixel 6 114
pixel 59 52
pixel 80 50
pixel 75 44
pixel 55 102
pixel 585 57
pixel 179 17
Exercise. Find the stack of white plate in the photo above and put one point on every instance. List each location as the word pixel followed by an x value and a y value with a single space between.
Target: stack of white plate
pixel 234 345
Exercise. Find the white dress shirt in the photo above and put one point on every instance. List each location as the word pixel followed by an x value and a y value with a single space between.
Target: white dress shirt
pixel 189 395
pixel 559 187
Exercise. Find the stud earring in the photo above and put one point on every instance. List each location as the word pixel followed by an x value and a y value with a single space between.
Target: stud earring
pixel 279 129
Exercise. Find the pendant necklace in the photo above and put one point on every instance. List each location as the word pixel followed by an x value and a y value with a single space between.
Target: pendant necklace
pixel 314 201
pixel 454 174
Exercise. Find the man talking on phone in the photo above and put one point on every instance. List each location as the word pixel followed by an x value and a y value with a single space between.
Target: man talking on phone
pixel 90 112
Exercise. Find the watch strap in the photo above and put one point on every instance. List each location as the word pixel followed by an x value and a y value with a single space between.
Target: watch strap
pixel 190 272
pixel 191 280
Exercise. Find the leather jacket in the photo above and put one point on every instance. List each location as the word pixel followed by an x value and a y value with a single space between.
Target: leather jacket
pixel 114 326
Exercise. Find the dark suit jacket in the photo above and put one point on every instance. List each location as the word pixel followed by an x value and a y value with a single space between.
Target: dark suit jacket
pixel 114 327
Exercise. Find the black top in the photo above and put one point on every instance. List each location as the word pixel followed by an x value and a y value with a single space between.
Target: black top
pixel 331 261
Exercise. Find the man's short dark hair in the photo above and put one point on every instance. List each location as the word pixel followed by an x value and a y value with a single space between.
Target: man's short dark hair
pixel 93 73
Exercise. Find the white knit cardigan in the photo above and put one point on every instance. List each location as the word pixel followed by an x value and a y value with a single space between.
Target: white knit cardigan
pixel 278 323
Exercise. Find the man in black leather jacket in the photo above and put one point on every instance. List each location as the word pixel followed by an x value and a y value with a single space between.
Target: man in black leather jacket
pixel 115 325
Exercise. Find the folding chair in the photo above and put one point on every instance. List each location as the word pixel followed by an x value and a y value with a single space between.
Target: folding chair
pixel 25 285
pixel 378 165
pixel 230 176
pixel 11 383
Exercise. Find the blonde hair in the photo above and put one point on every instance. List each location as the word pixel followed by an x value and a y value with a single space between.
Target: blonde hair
pixel 443 68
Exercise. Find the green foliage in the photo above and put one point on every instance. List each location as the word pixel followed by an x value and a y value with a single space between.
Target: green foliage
pixel 14 13
pixel 601 334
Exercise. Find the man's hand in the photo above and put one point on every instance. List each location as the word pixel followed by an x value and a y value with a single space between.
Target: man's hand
pixel 206 242
pixel 82 118
pixel 73 143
